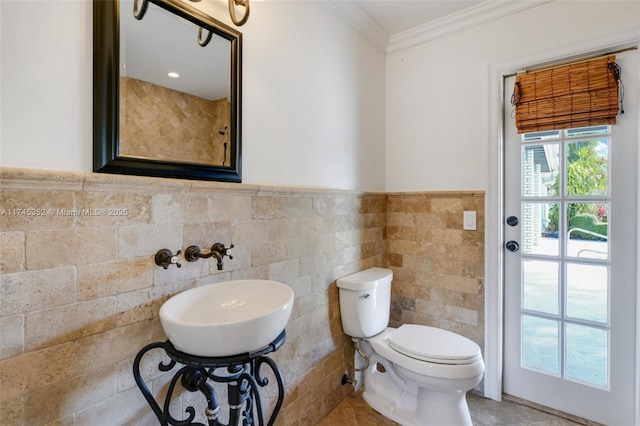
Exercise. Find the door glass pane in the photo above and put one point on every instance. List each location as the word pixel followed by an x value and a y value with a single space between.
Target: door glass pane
pixel 540 170
pixel 587 292
pixel 588 230
pixel 540 345
pixel 588 131
pixel 540 229
pixel 540 286
pixel 587 167
pixel 587 354
pixel 541 136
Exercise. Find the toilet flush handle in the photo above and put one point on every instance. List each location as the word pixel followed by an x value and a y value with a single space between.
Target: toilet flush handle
pixel 365 296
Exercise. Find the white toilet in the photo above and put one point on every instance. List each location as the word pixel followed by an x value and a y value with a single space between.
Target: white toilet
pixel 417 375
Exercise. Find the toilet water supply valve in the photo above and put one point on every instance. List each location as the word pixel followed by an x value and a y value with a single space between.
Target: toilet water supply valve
pixel 346 377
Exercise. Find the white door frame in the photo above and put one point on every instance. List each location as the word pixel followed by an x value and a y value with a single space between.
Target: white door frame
pixel 494 203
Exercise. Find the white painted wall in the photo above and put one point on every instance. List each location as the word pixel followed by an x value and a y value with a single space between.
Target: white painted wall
pixel 313 98
pixel 438 93
pixel 46 85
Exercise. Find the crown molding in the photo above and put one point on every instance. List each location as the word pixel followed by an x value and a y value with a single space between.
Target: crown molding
pixel 467 18
pixel 362 23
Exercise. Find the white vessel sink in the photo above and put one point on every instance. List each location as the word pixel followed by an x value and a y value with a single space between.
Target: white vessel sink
pixel 227 318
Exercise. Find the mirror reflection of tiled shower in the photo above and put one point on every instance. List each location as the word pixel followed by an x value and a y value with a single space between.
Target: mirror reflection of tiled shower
pixel 147 130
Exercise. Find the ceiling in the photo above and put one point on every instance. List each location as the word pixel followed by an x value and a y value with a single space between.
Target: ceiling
pixel 395 16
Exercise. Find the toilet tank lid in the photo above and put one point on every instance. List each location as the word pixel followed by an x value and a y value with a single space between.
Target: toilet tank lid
pixel 366 280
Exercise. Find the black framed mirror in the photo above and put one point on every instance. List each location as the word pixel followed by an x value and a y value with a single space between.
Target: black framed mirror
pixel 150 124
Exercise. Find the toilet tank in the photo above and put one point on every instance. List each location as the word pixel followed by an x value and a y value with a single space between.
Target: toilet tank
pixel 365 301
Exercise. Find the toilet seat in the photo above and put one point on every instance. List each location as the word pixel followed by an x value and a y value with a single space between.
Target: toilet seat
pixel 432 344
pixel 464 370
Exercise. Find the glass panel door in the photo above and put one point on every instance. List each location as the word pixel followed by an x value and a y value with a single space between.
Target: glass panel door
pixel 569 268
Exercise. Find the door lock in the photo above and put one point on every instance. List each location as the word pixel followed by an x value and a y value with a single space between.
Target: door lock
pixel 512 246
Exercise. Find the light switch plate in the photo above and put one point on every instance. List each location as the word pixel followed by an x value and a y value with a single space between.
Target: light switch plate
pixel 469 220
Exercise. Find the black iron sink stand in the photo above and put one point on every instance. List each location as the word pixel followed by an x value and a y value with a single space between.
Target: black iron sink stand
pixel 242 377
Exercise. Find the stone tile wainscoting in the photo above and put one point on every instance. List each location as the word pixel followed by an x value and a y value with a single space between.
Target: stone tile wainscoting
pixel 438 267
pixel 80 292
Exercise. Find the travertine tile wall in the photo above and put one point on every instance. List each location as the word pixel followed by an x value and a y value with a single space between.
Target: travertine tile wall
pixel 438 267
pixel 80 293
pixel 145 130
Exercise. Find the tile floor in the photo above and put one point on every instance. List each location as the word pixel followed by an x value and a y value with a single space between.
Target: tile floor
pixel 354 411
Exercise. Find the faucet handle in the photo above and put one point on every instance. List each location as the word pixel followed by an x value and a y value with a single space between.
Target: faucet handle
pixel 165 258
pixel 224 251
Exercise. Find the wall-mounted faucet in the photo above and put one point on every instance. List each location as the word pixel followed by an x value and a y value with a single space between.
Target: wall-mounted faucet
pixel 218 250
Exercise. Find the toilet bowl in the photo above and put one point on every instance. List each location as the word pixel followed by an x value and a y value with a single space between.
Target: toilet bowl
pixel 425 388
pixel 417 375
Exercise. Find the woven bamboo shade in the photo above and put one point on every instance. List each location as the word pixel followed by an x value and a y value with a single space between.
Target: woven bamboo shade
pixel 580 94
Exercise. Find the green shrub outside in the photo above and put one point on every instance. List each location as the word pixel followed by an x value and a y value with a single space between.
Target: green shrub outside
pixel 588 222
